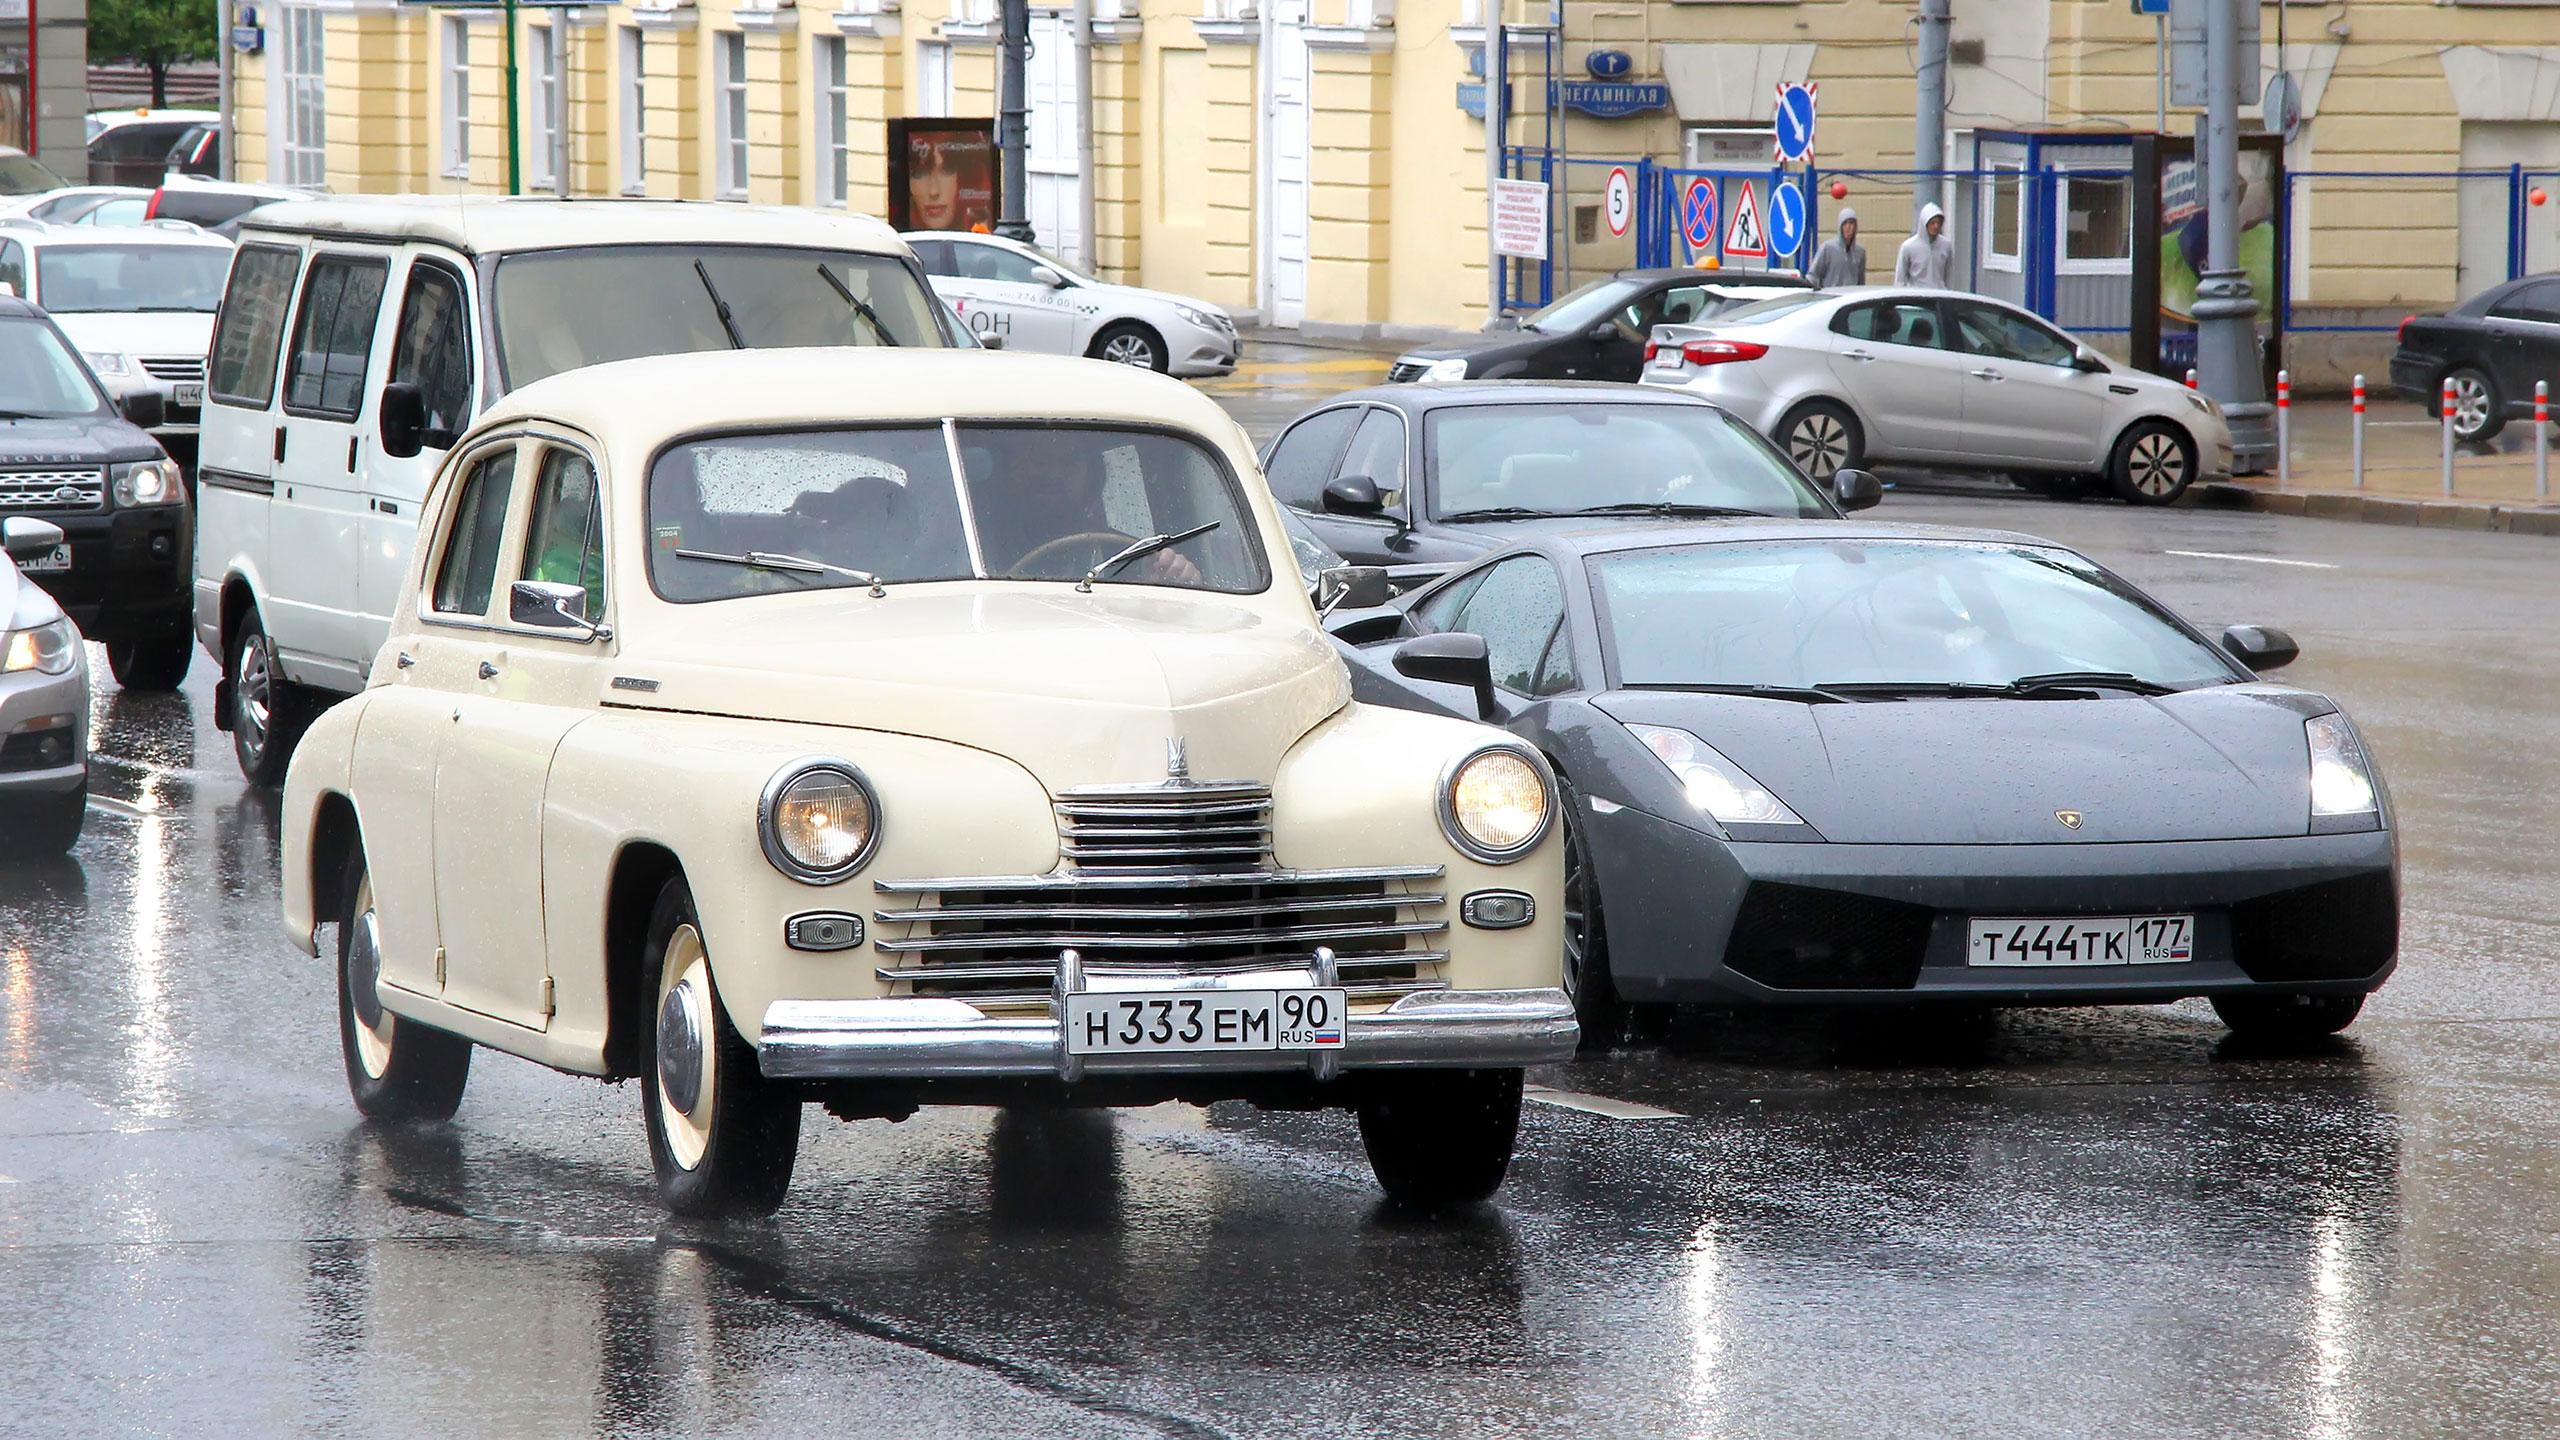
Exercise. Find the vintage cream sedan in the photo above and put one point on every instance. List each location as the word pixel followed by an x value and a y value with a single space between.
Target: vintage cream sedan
pixel 883 728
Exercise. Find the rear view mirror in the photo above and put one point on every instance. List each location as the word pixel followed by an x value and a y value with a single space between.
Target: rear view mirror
pixel 1046 276
pixel 2084 358
pixel 1353 495
pixel 404 419
pixel 1355 587
pixel 25 537
pixel 145 408
pixel 1856 489
pixel 2260 647
pixel 1452 659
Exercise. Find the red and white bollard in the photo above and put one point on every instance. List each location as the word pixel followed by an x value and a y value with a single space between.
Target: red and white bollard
pixel 2445 409
pixel 2191 377
pixel 2359 444
pixel 2541 441
pixel 2284 427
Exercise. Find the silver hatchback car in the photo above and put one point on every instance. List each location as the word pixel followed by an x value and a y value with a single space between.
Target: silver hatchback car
pixel 44 703
pixel 1847 379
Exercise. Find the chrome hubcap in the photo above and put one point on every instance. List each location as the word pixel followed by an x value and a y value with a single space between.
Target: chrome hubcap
pixel 687 1071
pixel 1819 445
pixel 1130 350
pixel 373 1024
pixel 251 687
pixel 2156 464
pixel 2470 405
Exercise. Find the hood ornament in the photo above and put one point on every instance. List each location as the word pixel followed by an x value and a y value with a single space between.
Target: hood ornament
pixel 2070 819
pixel 1177 761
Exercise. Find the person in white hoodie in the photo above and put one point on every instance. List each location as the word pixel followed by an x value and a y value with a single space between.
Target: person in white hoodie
pixel 1928 259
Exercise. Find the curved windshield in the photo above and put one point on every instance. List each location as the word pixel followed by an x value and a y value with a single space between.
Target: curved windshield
pixel 125 279
pixel 21 175
pixel 40 379
pixel 1771 308
pixel 1887 615
pixel 1583 308
pixel 563 309
pixel 1502 461
pixel 1314 557
pixel 758 514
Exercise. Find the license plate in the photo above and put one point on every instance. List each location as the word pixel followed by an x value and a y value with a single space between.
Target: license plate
pixel 1189 1021
pixel 59 559
pixel 187 395
pixel 2119 940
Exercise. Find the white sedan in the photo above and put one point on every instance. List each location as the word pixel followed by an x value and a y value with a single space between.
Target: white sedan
pixel 1031 300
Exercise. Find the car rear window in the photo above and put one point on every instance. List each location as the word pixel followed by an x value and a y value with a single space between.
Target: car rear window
pixel 1569 458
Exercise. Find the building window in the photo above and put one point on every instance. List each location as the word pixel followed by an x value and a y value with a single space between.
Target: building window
pixel 933 78
pixel 832 120
pixel 733 116
pixel 545 41
pixel 2000 249
pixel 2096 221
pixel 302 149
pixel 457 97
pixel 635 111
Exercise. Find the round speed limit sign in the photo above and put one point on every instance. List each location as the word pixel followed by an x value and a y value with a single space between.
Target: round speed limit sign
pixel 1622 200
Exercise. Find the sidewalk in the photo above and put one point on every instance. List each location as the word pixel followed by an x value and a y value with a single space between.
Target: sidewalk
pixel 2493 483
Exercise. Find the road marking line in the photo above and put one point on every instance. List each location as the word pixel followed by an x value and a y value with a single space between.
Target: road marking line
pixel 126 808
pixel 1595 1104
pixel 2251 559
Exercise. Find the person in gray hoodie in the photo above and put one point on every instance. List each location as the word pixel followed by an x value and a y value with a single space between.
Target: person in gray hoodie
pixel 1841 260
pixel 1928 259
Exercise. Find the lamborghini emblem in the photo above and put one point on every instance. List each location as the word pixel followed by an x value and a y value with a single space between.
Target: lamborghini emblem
pixel 2070 818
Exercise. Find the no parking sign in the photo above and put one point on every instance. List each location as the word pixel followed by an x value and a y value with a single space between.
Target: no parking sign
pixel 1698 214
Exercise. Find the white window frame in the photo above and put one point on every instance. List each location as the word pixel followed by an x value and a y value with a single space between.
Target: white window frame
pixel 457 97
pixel 299 105
pixel 2063 264
pixel 632 53
pixel 835 157
pixel 730 117
pixel 933 78
pixel 2004 172
pixel 545 41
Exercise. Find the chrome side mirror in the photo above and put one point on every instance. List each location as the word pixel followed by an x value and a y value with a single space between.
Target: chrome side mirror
pixel 550 605
pixel 25 537
pixel 1357 587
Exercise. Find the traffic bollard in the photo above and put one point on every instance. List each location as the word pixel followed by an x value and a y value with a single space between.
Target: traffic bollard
pixel 2541 442
pixel 2284 427
pixel 2191 377
pixel 2359 454
pixel 2444 405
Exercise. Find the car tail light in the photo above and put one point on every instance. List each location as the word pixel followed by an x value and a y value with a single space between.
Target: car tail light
pixel 1717 352
pixel 1651 350
pixel 2404 328
pixel 152 210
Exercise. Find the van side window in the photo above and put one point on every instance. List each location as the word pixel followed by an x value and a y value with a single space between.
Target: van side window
pixel 433 348
pixel 469 571
pixel 13 267
pixel 252 325
pixel 565 543
pixel 333 338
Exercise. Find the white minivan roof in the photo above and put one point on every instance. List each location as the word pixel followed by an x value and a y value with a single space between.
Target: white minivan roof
pixel 497 224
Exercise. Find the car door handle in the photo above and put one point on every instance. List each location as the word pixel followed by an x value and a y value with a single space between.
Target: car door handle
pixel 1986 375
pixel 1855 355
pixel 488 671
pixel 406 660
pixel 279 444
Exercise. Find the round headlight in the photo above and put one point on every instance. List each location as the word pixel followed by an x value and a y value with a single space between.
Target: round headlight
pixel 819 821
pixel 1496 805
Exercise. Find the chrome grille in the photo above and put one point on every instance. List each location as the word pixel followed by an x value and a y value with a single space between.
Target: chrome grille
pixel 53 489
pixel 1177 827
pixel 174 368
pixel 998 937
pixel 1405 373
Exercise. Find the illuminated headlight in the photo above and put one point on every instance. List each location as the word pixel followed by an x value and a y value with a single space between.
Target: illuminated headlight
pixel 108 362
pixel 45 649
pixel 1496 804
pixel 1201 318
pixel 2341 781
pixel 818 820
pixel 1454 368
pixel 148 482
pixel 1715 785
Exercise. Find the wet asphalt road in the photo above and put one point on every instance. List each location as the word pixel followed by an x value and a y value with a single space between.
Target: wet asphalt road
pixel 2057 1224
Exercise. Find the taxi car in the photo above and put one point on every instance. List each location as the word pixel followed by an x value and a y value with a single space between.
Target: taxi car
pixel 973 741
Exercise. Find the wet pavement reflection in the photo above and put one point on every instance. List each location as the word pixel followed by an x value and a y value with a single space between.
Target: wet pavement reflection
pixel 2041 1223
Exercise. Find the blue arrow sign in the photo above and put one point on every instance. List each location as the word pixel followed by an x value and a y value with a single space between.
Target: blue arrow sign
pixel 1794 122
pixel 1698 214
pixel 1786 218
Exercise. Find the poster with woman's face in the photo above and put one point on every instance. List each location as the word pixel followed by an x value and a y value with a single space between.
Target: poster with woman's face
pixel 942 174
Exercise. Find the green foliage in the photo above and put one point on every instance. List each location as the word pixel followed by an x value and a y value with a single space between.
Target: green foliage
pixel 152 33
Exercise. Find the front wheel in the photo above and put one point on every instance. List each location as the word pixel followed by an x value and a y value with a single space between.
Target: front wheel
pixel 1596 1006
pixel 397 1069
pixel 722 1137
pixel 2153 464
pixel 1823 438
pixel 1130 343
pixel 152 662
pixel 268 712
pixel 2287 1017
pixel 1440 1138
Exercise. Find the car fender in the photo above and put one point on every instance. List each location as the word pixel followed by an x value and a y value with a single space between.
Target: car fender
pixel 322 766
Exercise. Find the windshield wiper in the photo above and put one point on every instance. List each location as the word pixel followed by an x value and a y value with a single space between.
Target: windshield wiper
pixel 786 564
pixel 1139 551
pixel 878 327
pixel 2089 680
pixel 1807 694
pixel 2024 687
pixel 1665 507
pixel 1908 689
pixel 727 321
pixel 1498 512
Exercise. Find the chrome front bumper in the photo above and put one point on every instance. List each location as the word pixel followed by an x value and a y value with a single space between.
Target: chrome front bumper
pixel 923 1039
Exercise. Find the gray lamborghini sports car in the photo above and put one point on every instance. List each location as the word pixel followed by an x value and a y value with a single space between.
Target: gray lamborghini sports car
pixel 1850 762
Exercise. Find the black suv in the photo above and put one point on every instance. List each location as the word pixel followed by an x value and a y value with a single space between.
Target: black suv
pixel 69 456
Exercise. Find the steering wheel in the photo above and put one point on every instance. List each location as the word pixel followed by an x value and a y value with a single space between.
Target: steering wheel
pixel 1107 543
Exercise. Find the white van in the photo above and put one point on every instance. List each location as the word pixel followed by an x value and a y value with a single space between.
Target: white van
pixel 408 316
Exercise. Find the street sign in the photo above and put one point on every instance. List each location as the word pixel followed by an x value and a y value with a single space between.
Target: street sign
pixel 1612 99
pixel 1621 196
pixel 1614 64
pixel 1794 122
pixel 1698 214
pixel 2281 110
pixel 2186 51
pixel 1744 234
pixel 1520 218
pixel 1786 218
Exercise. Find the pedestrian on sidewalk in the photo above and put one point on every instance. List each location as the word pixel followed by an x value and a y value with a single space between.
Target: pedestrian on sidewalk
pixel 1928 259
pixel 1841 260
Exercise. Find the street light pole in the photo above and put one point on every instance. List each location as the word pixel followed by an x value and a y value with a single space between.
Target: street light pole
pixel 1929 120
pixel 2226 339
pixel 1013 130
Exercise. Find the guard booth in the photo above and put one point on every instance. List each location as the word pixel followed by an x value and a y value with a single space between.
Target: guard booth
pixel 2049 219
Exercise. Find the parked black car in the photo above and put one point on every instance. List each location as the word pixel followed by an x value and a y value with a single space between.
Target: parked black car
pixel 1403 475
pixel 67 455
pixel 2492 346
pixel 1596 332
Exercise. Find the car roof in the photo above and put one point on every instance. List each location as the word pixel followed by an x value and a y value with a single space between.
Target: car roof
pixel 1779 279
pixel 494 224
pixel 1442 394
pixel 1604 540
pixel 43 235
pixel 14 308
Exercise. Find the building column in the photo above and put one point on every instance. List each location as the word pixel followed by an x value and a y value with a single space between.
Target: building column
pixel 875 92
pixel 1119 168
pixel 671 58
pixel 1229 196
pixel 378 100
pixel 1351 126
pixel 780 108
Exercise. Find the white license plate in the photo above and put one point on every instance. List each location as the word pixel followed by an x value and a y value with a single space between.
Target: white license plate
pixel 1187 1021
pixel 187 395
pixel 59 559
pixel 2118 940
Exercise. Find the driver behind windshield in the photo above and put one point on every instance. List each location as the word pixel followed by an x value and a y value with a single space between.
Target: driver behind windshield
pixel 1062 527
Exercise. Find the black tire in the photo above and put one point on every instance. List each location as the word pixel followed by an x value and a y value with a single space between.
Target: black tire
pixel 152 662
pixel 730 1151
pixel 2287 1017
pixel 1596 1006
pixel 1823 438
pixel 1130 343
pixel 2479 411
pixel 44 824
pixel 268 712
pixel 1440 1138
pixel 397 1068
pixel 2153 463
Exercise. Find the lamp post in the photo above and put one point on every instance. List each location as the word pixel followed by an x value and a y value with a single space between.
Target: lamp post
pixel 2226 339
pixel 1013 137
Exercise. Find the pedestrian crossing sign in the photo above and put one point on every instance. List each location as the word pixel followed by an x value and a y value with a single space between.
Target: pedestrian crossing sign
pixel 1744 234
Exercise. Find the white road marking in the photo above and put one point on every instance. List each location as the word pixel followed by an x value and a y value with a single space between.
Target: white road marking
pixel 1595 1104
pixel 2251 559
pixel 126 808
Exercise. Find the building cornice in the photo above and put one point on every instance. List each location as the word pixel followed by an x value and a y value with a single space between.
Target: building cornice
pixel 780 18
pixel 664 17
pixel 1244 31
pixel 1361 39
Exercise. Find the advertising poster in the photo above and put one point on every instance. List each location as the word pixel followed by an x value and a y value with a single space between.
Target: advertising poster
pixel 942 174
pixel 2172 219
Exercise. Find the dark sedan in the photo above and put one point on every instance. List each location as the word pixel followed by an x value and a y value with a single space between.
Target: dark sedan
pixel 1596 332
pixel 1865 763
pixel 1439 474
pixel 2492 346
